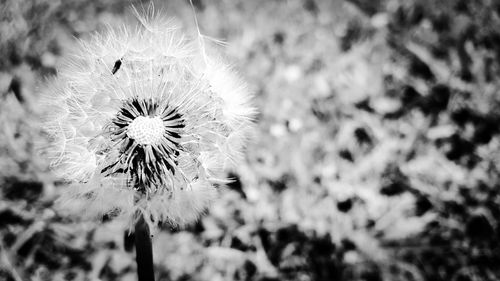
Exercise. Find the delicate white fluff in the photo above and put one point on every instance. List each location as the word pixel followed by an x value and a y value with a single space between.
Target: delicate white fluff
pixel 233 92
pixel 95 90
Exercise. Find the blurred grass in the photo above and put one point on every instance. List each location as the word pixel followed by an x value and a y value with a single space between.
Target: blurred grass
pixel 376 155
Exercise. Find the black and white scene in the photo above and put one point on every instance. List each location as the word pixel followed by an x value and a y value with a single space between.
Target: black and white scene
pixel 263 140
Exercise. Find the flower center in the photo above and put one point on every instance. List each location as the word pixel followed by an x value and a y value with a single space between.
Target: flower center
pixel 146 130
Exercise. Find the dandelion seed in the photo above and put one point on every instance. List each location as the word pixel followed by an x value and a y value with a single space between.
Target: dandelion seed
pixel 143 121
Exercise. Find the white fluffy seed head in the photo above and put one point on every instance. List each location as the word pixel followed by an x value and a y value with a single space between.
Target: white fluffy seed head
pixel 121 160
pixel 146 130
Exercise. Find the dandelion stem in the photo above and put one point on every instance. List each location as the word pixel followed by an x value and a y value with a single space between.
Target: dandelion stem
pixel 144 251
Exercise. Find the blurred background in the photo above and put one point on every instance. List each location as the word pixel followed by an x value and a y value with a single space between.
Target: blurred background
pixel 375 158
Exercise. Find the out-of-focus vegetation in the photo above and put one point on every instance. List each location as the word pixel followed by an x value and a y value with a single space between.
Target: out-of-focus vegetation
pixel 375 158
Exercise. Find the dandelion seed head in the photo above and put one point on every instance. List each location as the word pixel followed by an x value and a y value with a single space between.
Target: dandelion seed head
pixel 146 130
pixel 138 125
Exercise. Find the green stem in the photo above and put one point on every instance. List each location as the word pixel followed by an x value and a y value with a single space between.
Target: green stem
pixel 143 251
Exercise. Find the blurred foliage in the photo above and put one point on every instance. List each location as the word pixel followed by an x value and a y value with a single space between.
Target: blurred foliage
pixel 376 155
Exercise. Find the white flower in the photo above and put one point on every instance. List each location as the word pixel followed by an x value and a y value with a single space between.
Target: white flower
pixel 142 120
